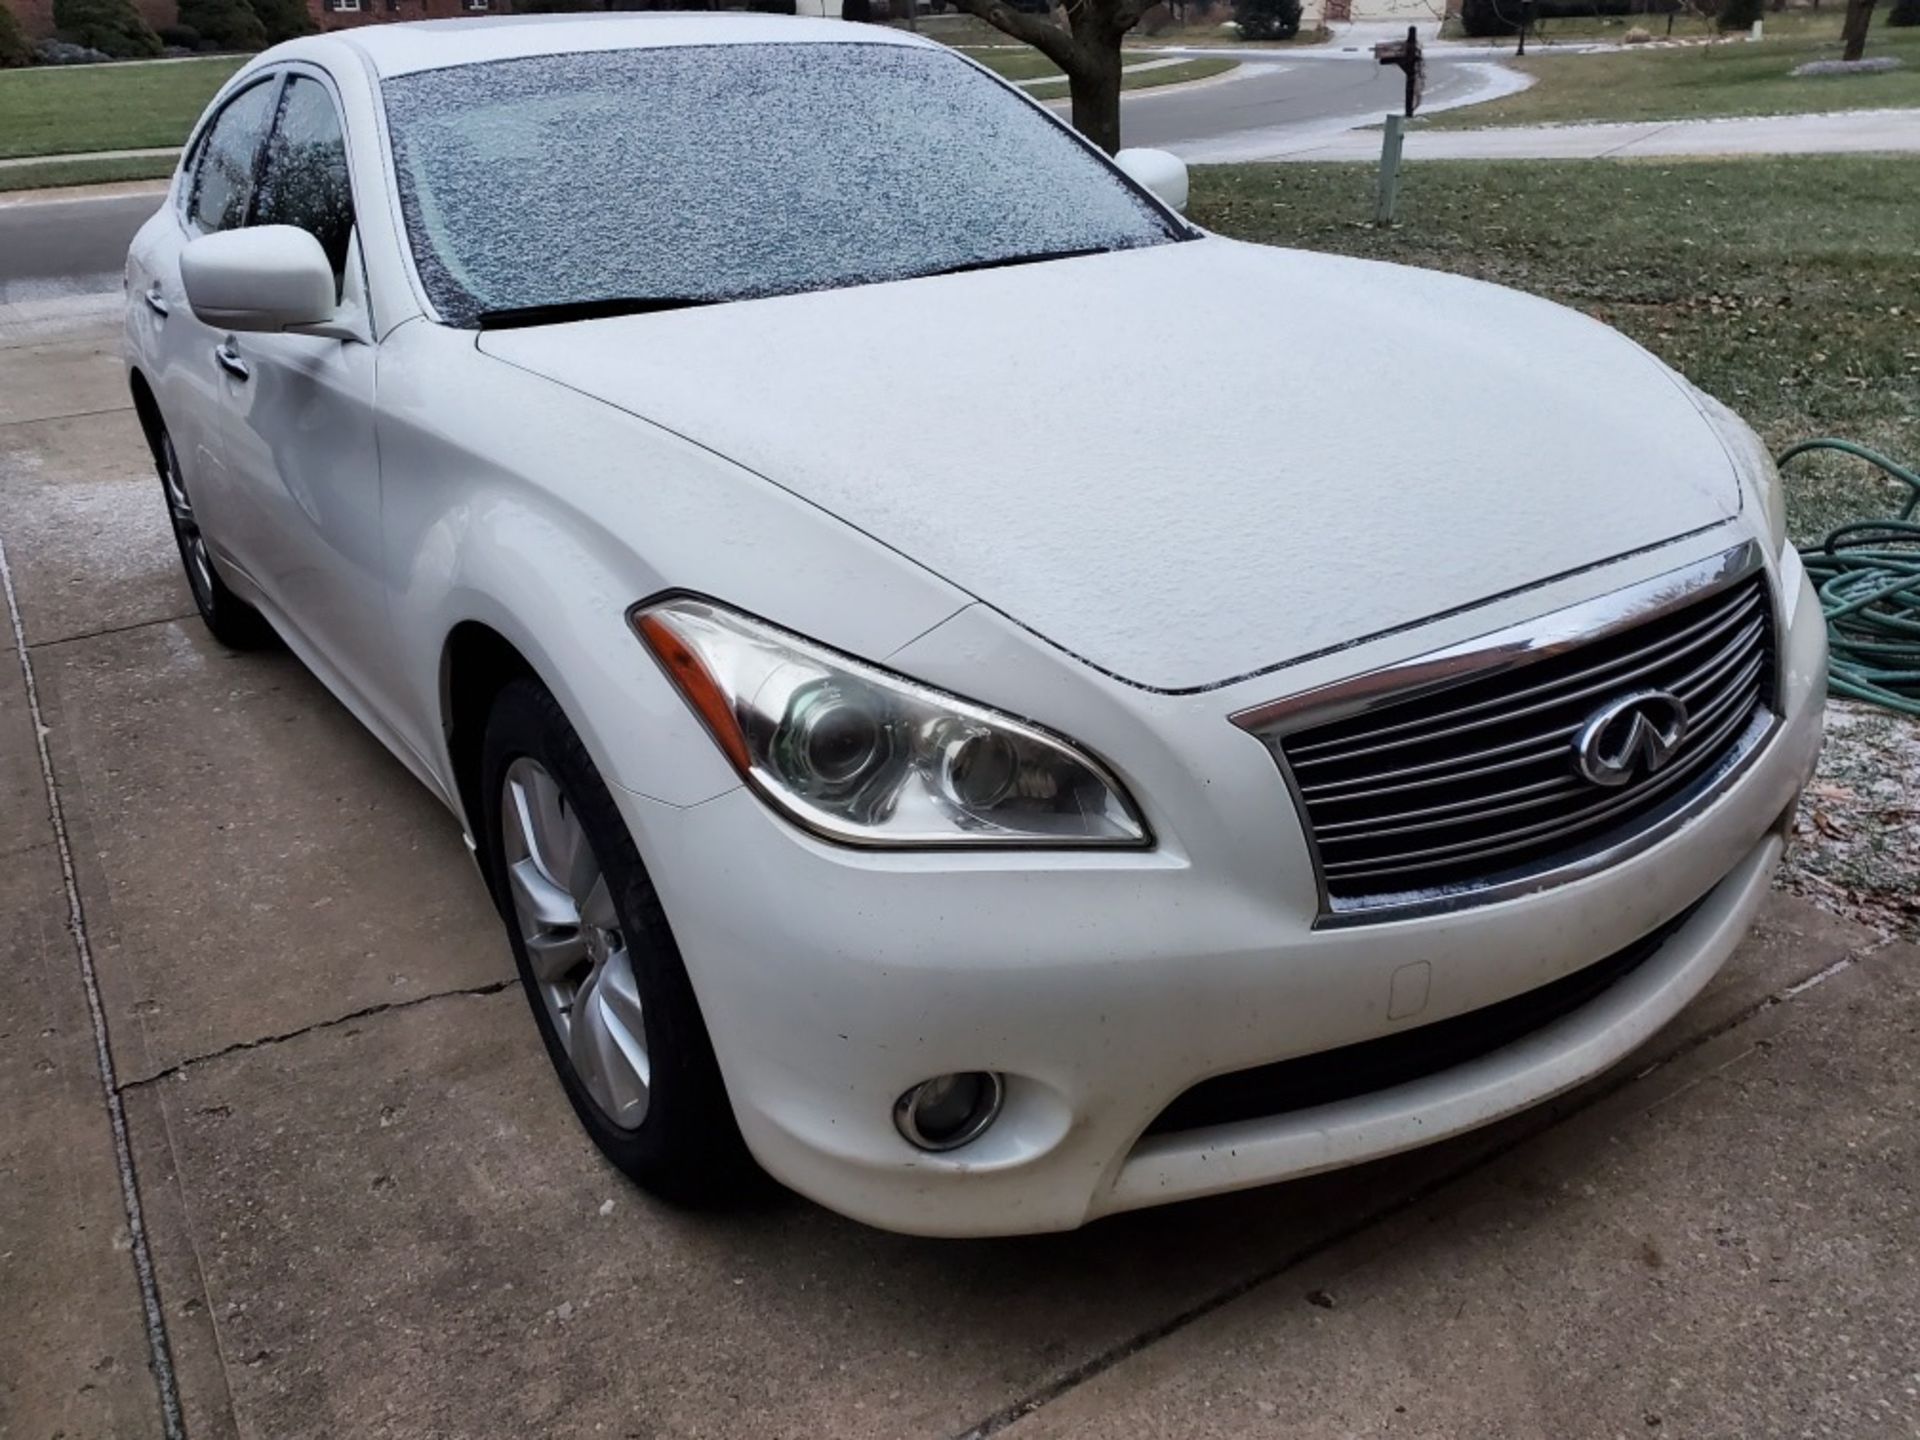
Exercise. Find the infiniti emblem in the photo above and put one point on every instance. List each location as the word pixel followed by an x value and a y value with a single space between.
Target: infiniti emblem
pixel 1630 737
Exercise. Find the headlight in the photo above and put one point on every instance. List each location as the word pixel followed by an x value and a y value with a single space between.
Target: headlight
pixel 869 758
pixel 1751 460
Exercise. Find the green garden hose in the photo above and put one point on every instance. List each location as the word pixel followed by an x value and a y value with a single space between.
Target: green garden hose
pixel 1867 575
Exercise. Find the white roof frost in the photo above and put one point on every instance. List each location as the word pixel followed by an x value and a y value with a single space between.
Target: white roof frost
pixel 410 46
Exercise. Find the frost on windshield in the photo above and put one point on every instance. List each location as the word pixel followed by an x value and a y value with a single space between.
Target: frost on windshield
pixel 730 171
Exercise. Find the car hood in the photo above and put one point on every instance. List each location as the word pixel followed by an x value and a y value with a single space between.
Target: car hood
pixel 1188 463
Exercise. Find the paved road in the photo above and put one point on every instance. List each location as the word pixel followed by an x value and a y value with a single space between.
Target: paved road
pixel 1267 102
pixel 77 247
pixel 1857 132
pixel 70 247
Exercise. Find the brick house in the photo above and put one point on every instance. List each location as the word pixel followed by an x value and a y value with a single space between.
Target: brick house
pixel 36 16
pixel 335 14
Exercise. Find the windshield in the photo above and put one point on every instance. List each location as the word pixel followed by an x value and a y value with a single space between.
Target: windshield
pixel 721 172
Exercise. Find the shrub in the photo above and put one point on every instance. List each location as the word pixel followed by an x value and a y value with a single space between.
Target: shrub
pixel 1904 12
pixel 112 27
pixel 1267 19
pixel 1483 19
pixel 14 49
pixel 282 19
pixel 860 11
pixel 229 24
pixel 1739 14
pixel 183 37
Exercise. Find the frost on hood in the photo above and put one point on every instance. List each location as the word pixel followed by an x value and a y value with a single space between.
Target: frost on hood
pixel 729 171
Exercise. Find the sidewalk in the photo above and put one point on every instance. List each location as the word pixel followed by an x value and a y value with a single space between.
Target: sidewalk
pixel 1851 132
pixel 14 162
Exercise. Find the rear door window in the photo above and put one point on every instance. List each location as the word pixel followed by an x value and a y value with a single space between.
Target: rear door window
pixel 223 177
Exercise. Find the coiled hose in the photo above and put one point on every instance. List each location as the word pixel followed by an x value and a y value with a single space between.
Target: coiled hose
pixel 1867 575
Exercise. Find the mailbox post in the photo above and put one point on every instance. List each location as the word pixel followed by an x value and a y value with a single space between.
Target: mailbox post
pixel 1406 55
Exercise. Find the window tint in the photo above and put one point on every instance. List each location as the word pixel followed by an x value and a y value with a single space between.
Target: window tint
pixel 304 179
pixel 728 171
pixel 223 183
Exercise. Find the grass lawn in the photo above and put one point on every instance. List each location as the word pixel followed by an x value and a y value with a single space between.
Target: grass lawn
pixel 1687 25
pixel 1011 61
pixel 1736 78
pixel 69 110
pixel 83 171
pixel 1131 79
pixel 1790 288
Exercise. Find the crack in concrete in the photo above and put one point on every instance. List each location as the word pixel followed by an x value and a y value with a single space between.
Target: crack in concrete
pixel 240 1047
pixel 1548 1117
pixel 64 415
pixel 106 630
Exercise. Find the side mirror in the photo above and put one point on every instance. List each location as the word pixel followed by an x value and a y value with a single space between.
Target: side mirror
pixel 269 277
pixel 1165 175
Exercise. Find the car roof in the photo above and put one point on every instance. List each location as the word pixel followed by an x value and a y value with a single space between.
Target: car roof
pixel 408 46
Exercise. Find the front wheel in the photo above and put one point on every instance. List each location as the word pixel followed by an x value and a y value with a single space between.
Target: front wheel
pixel 234 623
pixel 609 993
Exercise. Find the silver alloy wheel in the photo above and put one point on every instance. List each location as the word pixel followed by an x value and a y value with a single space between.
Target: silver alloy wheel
pixel 193 546
pixel 575 948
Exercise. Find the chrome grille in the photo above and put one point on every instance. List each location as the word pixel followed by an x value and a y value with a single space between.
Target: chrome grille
pixel 1475 784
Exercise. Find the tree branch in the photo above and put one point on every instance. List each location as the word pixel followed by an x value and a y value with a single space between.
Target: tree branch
pixel 1039 31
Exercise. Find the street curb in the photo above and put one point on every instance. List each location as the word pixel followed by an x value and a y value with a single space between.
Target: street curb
pixel 148 152
pixel 66 194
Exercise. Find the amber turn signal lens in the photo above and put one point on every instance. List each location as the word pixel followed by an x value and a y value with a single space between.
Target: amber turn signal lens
pixel 696 684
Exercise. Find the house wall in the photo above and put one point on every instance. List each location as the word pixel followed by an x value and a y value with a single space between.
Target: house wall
pixel 1412 12
pixel 341 14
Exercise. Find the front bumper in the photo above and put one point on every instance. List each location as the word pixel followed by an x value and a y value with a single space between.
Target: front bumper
pixel 1105 985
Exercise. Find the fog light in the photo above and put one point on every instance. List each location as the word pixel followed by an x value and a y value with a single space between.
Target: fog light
pixel 949 1110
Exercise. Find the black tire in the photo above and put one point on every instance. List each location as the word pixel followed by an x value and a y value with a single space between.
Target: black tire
pixel 234 622
pixel 687 1149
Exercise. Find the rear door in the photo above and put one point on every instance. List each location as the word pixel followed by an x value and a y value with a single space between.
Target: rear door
pixel 177 349
pixel 298 412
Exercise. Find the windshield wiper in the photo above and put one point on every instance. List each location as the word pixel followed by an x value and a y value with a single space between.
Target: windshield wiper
pixel 1034 259
pixel 558 312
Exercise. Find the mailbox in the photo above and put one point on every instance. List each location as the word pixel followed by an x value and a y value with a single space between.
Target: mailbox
pixel 1406 54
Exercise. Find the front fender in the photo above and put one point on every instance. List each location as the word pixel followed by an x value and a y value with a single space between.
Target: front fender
pixel 545 515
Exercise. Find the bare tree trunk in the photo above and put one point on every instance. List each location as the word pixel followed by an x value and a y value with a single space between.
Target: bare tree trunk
pixel 1088 51
pixel 1095 81
pixel 1096 98
pixel 1854 32
pixel 1038 31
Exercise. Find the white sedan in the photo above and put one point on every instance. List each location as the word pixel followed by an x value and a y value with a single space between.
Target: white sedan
pixel 720 456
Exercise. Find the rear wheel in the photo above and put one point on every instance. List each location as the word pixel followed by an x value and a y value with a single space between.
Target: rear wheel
pixel 608 990
pixel 234 623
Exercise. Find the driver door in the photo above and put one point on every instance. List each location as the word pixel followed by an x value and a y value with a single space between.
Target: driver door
pixel 177 349
pixel 298 421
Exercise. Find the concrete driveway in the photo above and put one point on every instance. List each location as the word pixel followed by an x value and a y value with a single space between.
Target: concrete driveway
pixel 366 1211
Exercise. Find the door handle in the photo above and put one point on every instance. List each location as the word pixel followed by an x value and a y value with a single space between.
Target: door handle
pixel 229 360
pixel 154 302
